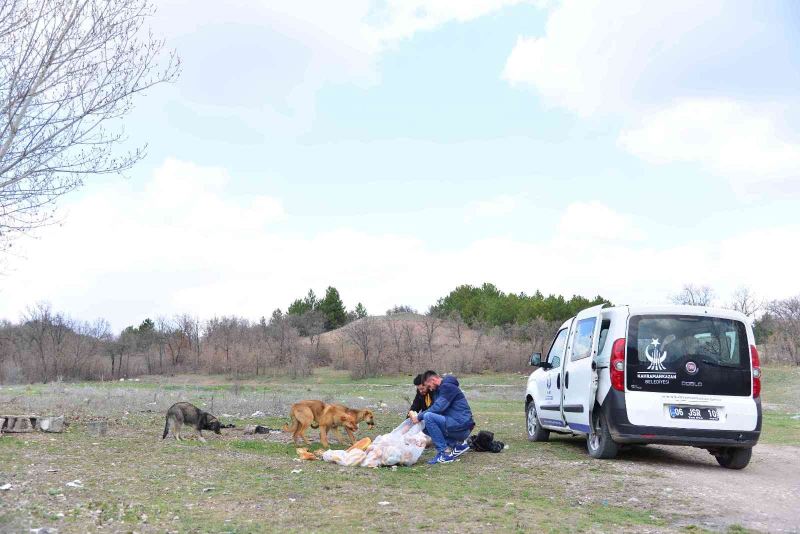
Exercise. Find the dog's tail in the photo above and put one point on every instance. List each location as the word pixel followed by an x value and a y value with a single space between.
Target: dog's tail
pixel 166 428
pixel 291 427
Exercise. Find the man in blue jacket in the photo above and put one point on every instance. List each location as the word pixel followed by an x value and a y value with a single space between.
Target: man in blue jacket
pixel 448 421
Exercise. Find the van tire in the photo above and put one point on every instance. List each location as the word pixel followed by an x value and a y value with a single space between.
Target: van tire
pixel 599 442
pixel 734 458
pixel 534 427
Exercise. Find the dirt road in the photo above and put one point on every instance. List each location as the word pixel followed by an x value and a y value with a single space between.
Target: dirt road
pixel 764 496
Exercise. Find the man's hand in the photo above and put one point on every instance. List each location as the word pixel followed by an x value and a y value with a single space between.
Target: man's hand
pixel 413 415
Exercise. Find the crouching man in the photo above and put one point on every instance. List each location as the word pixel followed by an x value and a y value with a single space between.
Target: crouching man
pixel 448 421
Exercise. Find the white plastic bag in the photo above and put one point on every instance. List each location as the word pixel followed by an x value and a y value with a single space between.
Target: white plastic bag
pixel 348 458
pixel 403 445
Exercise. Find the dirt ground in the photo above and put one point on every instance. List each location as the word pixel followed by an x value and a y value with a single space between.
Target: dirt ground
pixel 765 496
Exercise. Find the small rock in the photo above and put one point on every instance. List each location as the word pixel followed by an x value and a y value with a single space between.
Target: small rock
pixel 206 490
pixel 295 471
pixel 51 424
pixel 75 484
pixel 258 413
pixel 5 487
pixel 633 500
pixel 384 503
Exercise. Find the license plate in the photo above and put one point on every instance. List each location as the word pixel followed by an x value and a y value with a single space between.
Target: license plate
pixel 694 412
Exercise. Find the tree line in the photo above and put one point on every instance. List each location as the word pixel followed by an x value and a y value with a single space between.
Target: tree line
pixel 471 329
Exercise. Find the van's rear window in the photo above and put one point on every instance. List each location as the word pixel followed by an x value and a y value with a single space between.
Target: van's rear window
pixel 688 354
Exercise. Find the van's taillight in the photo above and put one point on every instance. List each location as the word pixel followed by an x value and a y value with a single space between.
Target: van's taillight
pixel 756 371
pixel 618 365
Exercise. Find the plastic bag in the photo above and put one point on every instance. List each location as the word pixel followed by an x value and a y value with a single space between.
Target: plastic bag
pixel 347 458
pixel 403 445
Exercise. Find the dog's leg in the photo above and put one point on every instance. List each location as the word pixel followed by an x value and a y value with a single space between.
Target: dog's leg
pixel 351 435
pixel 200 433
pixel 323 437
pixel 176 430
pixel 338 434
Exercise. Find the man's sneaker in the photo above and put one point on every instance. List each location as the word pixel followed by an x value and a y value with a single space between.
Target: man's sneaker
pixel 460 449
pixel 442 458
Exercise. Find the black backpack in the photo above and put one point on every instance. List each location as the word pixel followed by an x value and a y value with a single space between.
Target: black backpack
pixel 484 442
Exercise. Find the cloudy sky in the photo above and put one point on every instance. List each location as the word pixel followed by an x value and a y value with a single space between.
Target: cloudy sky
pixel 398 148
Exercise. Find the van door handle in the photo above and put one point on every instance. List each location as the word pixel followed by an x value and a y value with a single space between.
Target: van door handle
pixel 558 381
pixel 566 380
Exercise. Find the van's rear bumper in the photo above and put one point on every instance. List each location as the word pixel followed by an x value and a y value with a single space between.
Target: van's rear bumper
pixel 622 431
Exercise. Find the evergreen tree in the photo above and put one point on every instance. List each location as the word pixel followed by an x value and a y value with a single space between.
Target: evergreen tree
pixel 332 308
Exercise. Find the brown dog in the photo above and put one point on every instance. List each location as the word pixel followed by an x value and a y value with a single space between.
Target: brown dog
pixel 339 410
pixel 304 414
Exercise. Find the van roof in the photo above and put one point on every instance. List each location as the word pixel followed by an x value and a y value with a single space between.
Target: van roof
pixel 670 309
pixel 680 310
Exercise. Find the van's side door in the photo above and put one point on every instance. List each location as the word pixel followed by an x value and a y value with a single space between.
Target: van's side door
pixel 577 398
pixel 548 384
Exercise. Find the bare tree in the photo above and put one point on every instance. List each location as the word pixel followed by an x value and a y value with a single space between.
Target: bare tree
pixel 431 323
pixel 68 72
pixel 368 337
pixel 786 327
pixel 37 322
pixel 692 295
pixel 395 332
pixel 190 327
pixel 414 348
pixel 743 300
pixel 457 327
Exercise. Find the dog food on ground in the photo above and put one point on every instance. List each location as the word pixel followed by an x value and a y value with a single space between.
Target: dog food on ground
pixel 362 444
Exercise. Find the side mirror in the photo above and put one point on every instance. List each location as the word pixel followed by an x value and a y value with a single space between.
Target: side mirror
pixel 536 359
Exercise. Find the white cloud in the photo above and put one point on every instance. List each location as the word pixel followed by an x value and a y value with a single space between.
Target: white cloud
pixel 275 55
pixel 597 57
pixel 400 19
pixel 630 57
pixel 497 206
pixel 596 221
pixel 737 140
pixel 184 243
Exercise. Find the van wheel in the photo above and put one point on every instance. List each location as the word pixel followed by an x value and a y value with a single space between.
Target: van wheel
pixel 734 458
pixel 599 442
pixel 535 430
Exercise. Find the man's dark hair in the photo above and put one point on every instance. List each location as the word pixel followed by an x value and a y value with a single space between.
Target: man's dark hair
pixel 418 379
pixel 429 374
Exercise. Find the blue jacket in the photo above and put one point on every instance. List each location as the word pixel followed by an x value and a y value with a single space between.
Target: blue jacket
pixel 451 403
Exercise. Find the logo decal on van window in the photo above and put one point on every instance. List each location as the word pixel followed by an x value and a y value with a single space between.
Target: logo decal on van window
pixel 655 356
pixel 691 368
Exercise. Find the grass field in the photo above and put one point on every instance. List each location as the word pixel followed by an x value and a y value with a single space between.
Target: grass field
pixel 132 481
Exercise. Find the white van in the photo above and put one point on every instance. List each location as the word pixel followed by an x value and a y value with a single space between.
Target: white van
pixel 677 375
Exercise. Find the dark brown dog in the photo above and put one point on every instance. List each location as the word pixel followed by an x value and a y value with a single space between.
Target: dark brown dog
pixel 184 413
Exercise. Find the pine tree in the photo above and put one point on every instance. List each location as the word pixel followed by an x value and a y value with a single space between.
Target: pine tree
pixel 332 308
